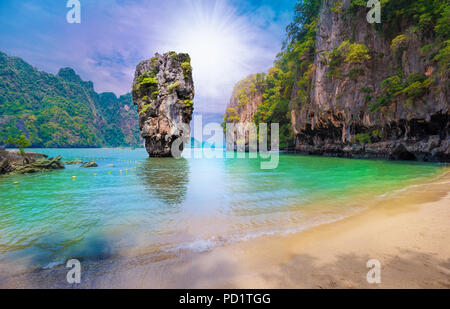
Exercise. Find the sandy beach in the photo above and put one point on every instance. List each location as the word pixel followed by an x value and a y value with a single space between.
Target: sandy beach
pixel 408 232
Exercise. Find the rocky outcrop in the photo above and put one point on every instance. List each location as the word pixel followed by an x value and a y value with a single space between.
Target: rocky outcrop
pixel 89 164
pixel 12 162
pixel 163 91
pixel 40 166
pixel 73 162
pixel 372 94
pixel 4 165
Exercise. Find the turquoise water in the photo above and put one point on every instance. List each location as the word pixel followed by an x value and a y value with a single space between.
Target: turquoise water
pixel 167 205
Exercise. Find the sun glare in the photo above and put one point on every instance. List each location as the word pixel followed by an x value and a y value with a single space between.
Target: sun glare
pixel 218 43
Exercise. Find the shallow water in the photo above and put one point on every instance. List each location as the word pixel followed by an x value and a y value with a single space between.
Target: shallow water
pixel 169 205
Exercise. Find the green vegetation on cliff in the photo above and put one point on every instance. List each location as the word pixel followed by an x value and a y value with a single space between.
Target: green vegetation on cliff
pixel 61 110
pixel 287 87
pixel 430 18
pixel 291 74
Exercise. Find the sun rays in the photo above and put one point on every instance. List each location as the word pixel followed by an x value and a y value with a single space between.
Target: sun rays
pixel 219 42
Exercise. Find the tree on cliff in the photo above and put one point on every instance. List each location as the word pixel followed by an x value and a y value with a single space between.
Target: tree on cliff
pixel 22 142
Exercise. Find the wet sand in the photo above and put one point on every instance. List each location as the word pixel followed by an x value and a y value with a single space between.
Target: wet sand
pixel 408 232
pixel 408 235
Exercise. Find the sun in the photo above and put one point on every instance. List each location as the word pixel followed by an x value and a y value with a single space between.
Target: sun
pixel 218 41
pixel 214 49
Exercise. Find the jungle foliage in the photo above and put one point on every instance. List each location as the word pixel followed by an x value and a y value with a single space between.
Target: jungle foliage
pixel 61 110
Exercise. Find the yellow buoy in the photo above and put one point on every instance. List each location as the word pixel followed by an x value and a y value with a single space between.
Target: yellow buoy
pixel 109 173
pixel 16 182
pixel 95 174
pixel 126 170
pixel 74 177
pixel 121 171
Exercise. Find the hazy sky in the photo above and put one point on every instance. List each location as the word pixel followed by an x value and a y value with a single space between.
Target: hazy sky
pixel 227 39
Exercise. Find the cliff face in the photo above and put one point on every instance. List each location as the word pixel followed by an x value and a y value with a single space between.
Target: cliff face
pixel 244 102
pixel 247 96
pixel 120 123
pixel 377 96
pixel 163 91
pixel 355 89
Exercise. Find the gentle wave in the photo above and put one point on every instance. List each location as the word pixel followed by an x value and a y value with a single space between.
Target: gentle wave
pixel 201 245
pixel 53 264
pixel 431 182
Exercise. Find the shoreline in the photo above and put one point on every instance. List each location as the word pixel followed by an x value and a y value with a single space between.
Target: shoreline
pixel 408 232
pixel 296 152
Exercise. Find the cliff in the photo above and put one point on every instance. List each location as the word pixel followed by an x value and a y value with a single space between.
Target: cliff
pixel 373 93
pixel 244 102
pixel 163 90
pixel 247 96
pixel 61 110
pixel 356 89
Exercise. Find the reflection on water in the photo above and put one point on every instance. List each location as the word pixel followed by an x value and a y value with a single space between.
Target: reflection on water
pixel 166 178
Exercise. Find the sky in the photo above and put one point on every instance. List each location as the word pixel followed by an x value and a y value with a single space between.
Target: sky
pixel 227 39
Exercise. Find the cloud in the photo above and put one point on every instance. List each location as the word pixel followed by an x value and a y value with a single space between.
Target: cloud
pixel 226 39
